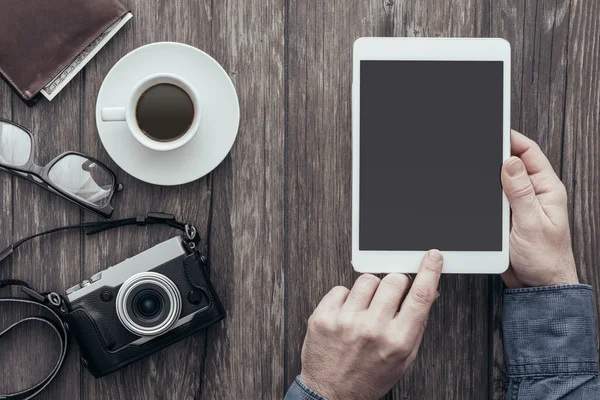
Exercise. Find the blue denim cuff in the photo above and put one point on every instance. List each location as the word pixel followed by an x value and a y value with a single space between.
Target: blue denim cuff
pixel 550 330
pixel 299 391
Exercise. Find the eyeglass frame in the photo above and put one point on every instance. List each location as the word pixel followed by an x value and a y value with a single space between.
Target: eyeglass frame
pixel 40 176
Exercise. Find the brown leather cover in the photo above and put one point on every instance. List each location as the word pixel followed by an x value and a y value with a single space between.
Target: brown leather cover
pixel 39 38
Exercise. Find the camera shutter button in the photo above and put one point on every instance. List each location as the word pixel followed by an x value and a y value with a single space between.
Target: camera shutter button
pixel 96 277
pixel 72 289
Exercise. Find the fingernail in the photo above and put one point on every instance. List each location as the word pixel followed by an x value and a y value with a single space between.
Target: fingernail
pixel 438 295
pixel 435 255
pixel 515 167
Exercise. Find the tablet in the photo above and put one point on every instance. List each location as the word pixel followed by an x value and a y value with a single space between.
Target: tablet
pixel 431 129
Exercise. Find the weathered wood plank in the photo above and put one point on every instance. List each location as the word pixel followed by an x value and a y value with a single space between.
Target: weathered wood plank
pixel 50 263
pixel 538 33
pixel 318 154
pixel 544 58
pixel 6 204
pixel 5 185
pixel 582 140
pixel 6 237
pixel 174 372
pixel 245 353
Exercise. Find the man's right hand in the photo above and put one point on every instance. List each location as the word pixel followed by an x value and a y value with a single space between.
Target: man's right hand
pixel 540 240
pixel 359 342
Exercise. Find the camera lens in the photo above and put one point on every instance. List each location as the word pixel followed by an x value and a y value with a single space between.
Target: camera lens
pixel 148 304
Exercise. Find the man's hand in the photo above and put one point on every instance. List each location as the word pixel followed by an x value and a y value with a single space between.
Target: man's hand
pixel 540 240
pixel 360 342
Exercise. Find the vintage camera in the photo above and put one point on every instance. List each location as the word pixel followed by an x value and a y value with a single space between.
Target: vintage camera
pixel 142 305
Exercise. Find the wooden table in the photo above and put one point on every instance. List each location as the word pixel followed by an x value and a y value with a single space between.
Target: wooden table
pixel 275 214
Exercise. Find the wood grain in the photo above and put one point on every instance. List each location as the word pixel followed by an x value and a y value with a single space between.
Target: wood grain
pixel 46 264
pixel 245 353
pixel 318 154
pixel 582 140
pixel 276 214
pixel 6 204
pixel 7 316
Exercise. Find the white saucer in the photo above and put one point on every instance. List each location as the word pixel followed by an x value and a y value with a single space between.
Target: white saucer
pixel 220 114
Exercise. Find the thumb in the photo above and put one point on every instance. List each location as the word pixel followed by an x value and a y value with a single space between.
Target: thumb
pixel 520 192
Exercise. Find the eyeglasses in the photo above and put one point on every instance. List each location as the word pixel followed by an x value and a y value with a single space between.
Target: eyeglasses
pixel 76 177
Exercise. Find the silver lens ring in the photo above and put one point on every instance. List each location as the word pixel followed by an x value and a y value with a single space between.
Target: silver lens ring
pixel 151 279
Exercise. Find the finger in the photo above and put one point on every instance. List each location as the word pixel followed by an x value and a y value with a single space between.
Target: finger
pixel 520 192
pixel 413 355
pixel 537 164
pixel 387 298
pixel 362 292
pixel 334 299
pixel 548 187
pixel 419 339
pixel 414 312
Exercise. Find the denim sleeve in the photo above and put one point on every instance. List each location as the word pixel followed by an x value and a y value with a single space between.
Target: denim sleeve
pixel 550 343
pixel 299 391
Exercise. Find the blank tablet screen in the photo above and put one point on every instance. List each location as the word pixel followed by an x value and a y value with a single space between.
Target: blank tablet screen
pixel 431 155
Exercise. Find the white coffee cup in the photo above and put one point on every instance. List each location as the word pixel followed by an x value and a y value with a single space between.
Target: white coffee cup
pixel 127 113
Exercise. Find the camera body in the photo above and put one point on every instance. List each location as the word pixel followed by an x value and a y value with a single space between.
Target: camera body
pixel 137 307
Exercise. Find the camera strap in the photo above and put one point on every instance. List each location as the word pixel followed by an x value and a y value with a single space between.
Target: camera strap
pixel 53 304
pixel 53 320
pixel 152 218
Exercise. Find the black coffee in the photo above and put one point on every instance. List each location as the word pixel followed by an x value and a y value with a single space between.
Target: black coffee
pixel 164 112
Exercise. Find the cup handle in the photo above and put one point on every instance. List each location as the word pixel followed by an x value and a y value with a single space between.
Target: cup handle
pixel 113 114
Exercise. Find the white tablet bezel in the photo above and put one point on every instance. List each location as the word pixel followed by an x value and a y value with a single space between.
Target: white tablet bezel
pixel 415 49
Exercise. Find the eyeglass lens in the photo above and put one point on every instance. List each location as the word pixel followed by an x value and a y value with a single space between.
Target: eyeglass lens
pixel 15 145
pixel 82 178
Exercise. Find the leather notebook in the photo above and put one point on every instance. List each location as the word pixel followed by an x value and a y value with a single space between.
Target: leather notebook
pixel 40 39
